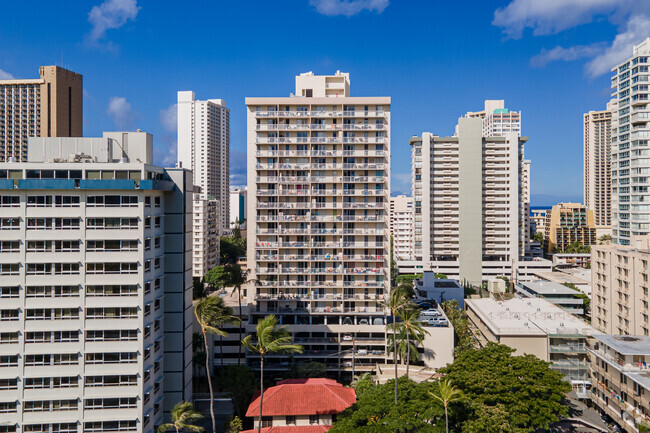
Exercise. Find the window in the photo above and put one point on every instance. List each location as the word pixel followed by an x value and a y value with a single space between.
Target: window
pixel 50 405
pixel 112 290
pixel 109 426
pixel 156 201
pixel 112 313
pixel 8 384
pixel 52 314
pixel 9 292
pixel 290 420
pixel 39 201
pixel 9 269
pixel 9 223
pixel 117 335
pixel 57 359
pixel 112 201
pixel 93 381
pixel 51 291
pixel 9 315
pixel 66 201
pixel 9 361
pixel 9 246
pixel 112 223
pixel 8 337
pixel 54 428
pixel 147 201
pixel 111 358
pixel 313 419
pixel 110 403
pixel 51 382
pixel 52 337
pixel 9 201
pixel 8 407
pixel 157 222
pixel 112 245
pixel 112 268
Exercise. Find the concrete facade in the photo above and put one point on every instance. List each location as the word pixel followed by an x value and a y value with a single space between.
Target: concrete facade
pixel 567 223
pixel 204 148
pixel 630 213
pixel 50 106
pixel 620 287
pixel 401 226
pixel 92 254
pixel 597 162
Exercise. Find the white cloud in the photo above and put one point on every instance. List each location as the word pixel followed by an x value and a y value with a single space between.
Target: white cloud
pixel 348 7
pixel 121 112
pixel 637 29
pixel 632 17
pixel 112 14
pixel 550 16
pixel 168 118
pixel 4 75
pixel 164 151
pixel 566 54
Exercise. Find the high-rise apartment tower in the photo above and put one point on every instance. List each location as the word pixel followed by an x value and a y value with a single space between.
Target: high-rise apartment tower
pixel 630 163
pixel 49 106
pixel 204 147
pixel 95 286
pixel 318 204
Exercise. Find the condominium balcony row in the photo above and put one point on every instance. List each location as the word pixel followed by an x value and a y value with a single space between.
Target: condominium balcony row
pixel 320 231
pixel 323 205
pixel 319 179
pixel 319 257
pixel 274 244
pixel 323 218
pixel 337 139
pixel 297 165
pixel 322 152
pixel 375 283
pixel 319 270
pixel 323 192
pixel 272 111
pixel 320 126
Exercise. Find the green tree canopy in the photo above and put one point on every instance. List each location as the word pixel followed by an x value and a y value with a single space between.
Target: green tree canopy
pixel 232 247
pixel 241 382
pixel 376 412
pixel 531 394
pixel 307 370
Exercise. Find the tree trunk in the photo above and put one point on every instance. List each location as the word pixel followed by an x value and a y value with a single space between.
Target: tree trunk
pixel 446 420
pixel 221 349
pixel 259 425
pixel 408 354
pixel 240 325
pixel 395 353
pixel 207 372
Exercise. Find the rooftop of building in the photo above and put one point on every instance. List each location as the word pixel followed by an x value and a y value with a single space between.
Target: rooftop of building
pixel 546 288
pixel 561 277
pixel 41 80
pixel 626 344
pixel 527 317
pixel 304 397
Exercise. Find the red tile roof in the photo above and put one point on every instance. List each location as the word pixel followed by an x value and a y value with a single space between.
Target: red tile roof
pixel 304 397
pixel 293 429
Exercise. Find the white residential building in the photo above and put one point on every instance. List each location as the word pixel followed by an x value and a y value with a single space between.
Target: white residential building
pixel 238 198
pixel 318 231
pixel 630 163
pixel 597 160
pixel 95 286
pixel 204 147
pixel 497 120
pixel 471 204
pixel 401 226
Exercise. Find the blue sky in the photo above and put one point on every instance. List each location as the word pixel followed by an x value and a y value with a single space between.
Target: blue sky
pixel 437 60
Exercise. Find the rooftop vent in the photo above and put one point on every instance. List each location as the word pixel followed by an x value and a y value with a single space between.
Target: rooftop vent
pixel 631 339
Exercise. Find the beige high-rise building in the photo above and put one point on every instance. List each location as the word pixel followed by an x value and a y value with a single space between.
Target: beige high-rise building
pixel 49 106
pixel 318 230
pixel 597 160
pixel 567 223
pixel 469 202
pixel 620 287
pixel 401 226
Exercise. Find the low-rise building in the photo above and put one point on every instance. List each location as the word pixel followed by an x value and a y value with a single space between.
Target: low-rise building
pixel 537 327
pixel 620 375
pixel 557 294
pixel 581 280
pixel 538 220
pixel 301 406
pixel 430 287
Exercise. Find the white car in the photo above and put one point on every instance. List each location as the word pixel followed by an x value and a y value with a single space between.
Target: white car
pixel 431 312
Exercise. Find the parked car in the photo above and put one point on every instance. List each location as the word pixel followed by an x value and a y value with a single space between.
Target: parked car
pixel 362 352
pixel 431 312
pixel 347 338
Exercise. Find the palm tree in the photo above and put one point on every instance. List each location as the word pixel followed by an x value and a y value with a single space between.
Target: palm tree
pixel 643 427
pixel 410 326
pixel 211 314
pixel 396 301
pixel 183 415
pixel 363 377
pixel 269 338
pixel 447 393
